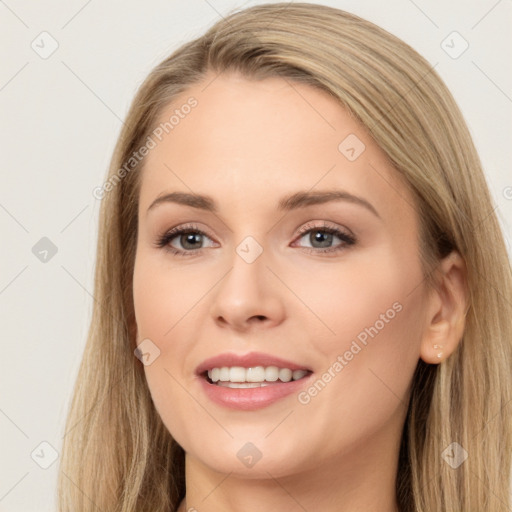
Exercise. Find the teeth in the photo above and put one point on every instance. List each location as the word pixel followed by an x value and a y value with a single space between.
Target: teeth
pixel 223 373
pixel 271 373
pixel 285 375
pixel 298 374
pixel 242 384
pixel 254 376
pixel 237 374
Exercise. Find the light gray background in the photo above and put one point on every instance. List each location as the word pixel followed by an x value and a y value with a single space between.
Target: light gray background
pixel 60 118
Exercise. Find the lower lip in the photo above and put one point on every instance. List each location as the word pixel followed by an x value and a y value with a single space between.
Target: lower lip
pixel 249 399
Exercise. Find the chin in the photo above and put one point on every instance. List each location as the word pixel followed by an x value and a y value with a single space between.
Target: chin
pixel 259 458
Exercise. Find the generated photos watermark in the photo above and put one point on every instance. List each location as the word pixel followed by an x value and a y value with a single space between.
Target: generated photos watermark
pixel 151 142
pixel 357 345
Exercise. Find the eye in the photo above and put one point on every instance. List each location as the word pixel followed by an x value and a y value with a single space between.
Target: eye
pixel 321 238
pixel 188 238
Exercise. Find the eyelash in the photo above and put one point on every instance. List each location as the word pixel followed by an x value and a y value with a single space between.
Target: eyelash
pixel 346 238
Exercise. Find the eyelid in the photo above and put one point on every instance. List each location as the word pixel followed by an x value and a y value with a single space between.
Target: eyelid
pixel 323 224
pixel 189 226
pixel 163 240
pixel 344 234
pixel 341 232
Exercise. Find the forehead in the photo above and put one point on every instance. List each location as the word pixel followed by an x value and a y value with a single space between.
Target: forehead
pixel 250 140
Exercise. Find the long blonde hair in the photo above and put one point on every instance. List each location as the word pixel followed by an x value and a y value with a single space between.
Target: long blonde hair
pixel 118 455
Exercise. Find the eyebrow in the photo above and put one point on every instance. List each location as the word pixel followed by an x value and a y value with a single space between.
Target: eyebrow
pixel 292 202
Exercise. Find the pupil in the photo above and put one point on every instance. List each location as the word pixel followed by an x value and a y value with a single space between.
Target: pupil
pixel 190 238
pixel 322 238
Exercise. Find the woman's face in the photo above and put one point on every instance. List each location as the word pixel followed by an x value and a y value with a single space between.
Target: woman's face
pixel 303 255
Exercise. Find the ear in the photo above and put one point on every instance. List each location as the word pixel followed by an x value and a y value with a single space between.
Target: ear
pixel 446 311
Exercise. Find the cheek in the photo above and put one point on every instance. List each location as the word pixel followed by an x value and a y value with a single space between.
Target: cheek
pixel 375 313
pixel 368 297
pixel 166 296
pixel 168 303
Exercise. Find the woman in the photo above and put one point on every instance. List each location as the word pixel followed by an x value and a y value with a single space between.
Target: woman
pixel 302 292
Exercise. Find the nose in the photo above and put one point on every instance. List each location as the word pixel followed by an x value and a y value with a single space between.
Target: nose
pixel 249 296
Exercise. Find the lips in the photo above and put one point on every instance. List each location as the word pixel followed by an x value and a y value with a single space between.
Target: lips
pixel 235 379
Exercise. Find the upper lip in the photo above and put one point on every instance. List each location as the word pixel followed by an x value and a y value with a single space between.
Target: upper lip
pixel 247 360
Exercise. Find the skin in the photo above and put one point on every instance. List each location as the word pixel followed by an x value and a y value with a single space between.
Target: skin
pixel 247 144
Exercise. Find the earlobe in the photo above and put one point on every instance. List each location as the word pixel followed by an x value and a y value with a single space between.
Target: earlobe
pixel 446 310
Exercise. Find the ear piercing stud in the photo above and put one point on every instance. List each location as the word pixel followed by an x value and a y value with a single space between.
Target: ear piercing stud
pixel 439 354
